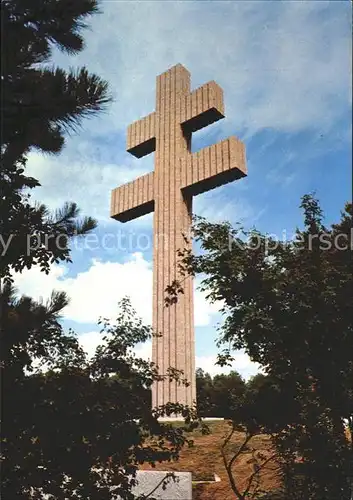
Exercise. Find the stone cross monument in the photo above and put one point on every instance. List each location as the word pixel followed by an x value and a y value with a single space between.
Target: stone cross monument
pixel 178 176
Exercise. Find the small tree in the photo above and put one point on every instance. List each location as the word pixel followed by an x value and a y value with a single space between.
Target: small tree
pixel 226 390
pixel 204 391
pixel 251 415
pixel 80 428
pixel 215 395
pixel 289 305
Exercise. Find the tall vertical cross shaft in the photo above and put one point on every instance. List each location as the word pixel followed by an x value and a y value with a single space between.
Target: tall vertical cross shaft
pixel 178 176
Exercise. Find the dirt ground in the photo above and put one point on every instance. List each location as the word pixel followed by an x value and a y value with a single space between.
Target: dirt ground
pixel 204 459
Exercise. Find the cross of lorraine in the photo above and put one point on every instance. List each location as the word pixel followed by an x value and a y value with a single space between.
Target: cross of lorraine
pixel 168 191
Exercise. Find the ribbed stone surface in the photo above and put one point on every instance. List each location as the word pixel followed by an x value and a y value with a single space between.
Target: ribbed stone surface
pixel 178 176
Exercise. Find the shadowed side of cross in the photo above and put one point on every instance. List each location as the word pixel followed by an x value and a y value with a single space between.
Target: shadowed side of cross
pixel 178 176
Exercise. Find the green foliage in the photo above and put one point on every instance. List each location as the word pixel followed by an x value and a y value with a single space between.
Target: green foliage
pixel 74 427
pixel 289 305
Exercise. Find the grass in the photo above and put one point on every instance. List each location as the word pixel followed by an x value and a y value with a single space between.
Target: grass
pixel 204 459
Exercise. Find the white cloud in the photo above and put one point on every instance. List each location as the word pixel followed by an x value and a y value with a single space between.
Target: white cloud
pixel 83 180
pixel 90 341
pixel 242 363
pixel 97 291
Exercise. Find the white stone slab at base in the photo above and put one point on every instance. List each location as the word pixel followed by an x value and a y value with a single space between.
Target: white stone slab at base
pixel 177 488
pixel 181 420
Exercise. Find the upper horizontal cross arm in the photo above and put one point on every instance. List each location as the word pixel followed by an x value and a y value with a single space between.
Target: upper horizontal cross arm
pixel 133 199
pixel 202 107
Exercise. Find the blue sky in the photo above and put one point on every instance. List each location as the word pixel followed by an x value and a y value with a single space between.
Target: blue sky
pixel 285 68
